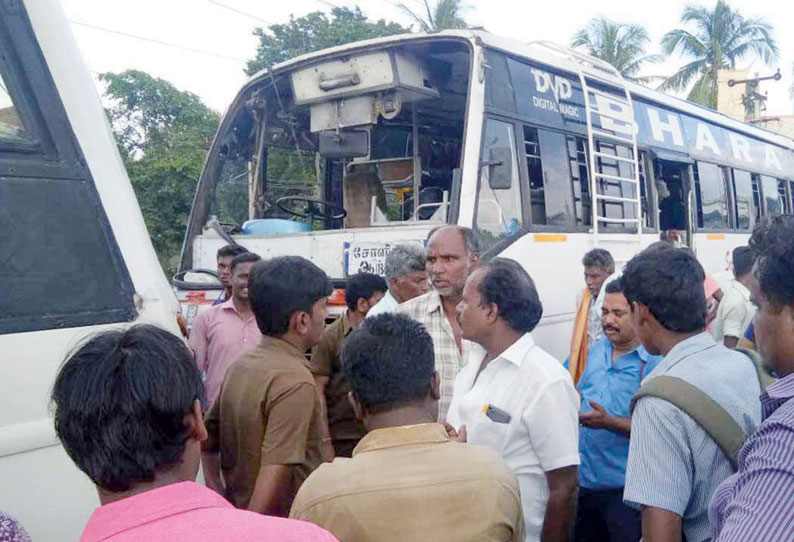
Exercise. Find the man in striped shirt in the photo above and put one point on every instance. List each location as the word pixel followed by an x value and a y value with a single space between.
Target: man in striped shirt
pixel 674 466
pixel 452 255
pixel 755 503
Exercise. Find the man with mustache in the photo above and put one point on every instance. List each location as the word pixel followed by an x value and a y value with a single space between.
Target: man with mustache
pixel 452 255
pixel 615 366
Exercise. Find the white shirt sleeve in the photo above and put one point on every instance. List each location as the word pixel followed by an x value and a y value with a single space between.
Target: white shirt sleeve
pixel 552 421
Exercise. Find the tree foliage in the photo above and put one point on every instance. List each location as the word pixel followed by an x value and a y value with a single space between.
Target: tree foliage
pixel 313 32
pixel 715 39
pixel 622 45
pixel 163 135
pixel 447 14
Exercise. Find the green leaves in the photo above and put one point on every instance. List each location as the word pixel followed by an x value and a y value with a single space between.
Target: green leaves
pixel 715 40
pixel 163 135
pixel 622 45
pixel 315 31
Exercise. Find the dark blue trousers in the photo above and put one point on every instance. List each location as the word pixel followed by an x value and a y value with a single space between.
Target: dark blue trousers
pixel 601 516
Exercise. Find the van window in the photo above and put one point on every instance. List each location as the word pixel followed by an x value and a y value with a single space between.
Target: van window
pixel 744 207
pixel 499 199
pixel 12 128
pixel 61 266
pixel 712 199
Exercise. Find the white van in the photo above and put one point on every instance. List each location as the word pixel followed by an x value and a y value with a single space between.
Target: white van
pixel 75 256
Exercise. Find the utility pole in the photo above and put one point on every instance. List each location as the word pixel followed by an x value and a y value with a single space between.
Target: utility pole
pixel 754 102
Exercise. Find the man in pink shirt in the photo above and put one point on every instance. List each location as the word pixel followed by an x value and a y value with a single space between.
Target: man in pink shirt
pixel 128 412
pixel 223 333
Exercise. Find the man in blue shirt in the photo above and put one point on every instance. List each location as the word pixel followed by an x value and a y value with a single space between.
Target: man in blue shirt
pixel 615 366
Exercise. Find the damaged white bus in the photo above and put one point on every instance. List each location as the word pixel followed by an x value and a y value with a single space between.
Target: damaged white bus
pixel 338 155
pixel 75 256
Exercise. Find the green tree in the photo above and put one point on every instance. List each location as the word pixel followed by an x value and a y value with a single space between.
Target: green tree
pixel 447 14
pixel 715 39
pixel 622 45
pixel 313 32
pixel 163 135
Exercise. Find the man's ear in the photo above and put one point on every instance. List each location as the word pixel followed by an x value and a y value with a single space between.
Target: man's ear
pixel 194 421
pixel 475 259
pixel 435 386
pixel 358 410
pixel 491 313
pixel 300 321
pixel 362 305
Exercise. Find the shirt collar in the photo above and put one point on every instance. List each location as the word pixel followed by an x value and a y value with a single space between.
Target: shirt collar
pixel 346 327
pixel 434 301
pixel 402 435
pixel 516 352
pixel 268 341
pixel 777 394
pixel 228 305
pixel 640 351
pixel 156 504
pixel 742 289
pixel 687 347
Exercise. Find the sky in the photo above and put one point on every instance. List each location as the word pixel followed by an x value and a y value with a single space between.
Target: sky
pixel 202 45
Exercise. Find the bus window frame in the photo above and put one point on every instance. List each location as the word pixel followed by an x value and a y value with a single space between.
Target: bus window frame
pixel 733 202
pixel 729 199
pixel 523 180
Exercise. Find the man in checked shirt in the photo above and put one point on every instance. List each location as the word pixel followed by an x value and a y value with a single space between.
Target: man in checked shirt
pixel 452 254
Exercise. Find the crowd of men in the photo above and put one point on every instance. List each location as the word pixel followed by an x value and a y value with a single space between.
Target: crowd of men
pixel 428 412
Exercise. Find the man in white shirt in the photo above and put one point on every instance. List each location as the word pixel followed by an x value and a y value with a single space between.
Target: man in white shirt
pixel 516 398
pixel 735 311
pixel 406 275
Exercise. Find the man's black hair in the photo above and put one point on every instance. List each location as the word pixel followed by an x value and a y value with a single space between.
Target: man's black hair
pixel 742 261
pixel 506 283
pixel 119 404
pixel 614 286
pixel 775 269
pixel 279 287
pixel 230 250
pixel 760 239
pixel 363 286
pixel 389 362
pixel 598 257
pixel 245 257
pixel 670 284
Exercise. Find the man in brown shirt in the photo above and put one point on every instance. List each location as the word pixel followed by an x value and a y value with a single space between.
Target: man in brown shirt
pixel 265 427
pixel 362 292
pixel 407 479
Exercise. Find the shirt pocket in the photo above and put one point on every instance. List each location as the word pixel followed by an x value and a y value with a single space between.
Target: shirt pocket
pixel 486 432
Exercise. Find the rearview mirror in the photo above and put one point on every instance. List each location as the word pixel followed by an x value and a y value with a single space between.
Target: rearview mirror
pixel 500 174
pixel 344 144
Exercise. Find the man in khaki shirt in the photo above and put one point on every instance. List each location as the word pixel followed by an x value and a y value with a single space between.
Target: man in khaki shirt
pixel 407 479
pixel 362 292
pixel 265 427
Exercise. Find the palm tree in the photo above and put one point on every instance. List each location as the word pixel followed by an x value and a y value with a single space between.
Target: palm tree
pixel 622 45
pixel 446 15
pixel 718 39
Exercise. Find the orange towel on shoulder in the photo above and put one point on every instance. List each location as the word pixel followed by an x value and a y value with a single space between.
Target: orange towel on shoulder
pixel 577 359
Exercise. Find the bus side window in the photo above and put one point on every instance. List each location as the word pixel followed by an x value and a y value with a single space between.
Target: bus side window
pixel 558 178
pixel 743 200
pixel 773 192
pixel 499 211
pixel 712 197
pixel 788 202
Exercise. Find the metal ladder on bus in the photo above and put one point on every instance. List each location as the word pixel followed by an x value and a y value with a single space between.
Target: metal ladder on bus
pixel 598 71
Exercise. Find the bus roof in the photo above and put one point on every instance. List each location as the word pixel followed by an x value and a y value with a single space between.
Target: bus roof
pixel 538 53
